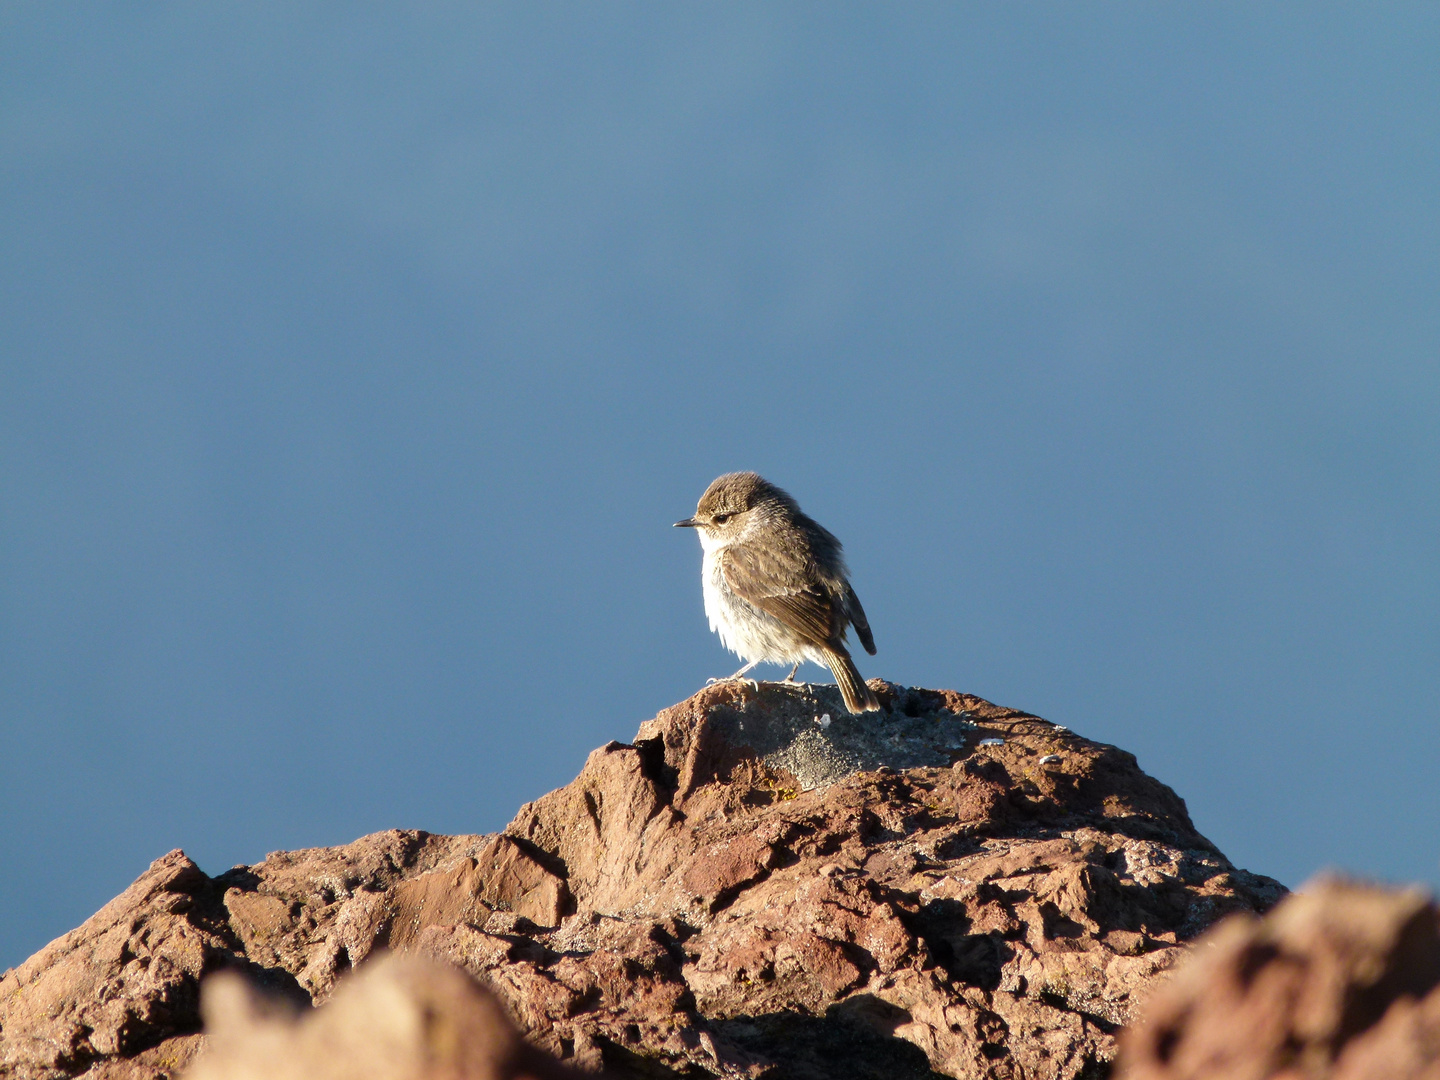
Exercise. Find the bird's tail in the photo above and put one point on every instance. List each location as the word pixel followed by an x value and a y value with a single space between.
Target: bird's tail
pixel 858 697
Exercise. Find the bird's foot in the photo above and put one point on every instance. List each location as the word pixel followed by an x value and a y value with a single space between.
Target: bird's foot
pixel 734 678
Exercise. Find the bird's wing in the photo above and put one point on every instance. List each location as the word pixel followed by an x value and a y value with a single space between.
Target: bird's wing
pixel 760 577
pixel 858 620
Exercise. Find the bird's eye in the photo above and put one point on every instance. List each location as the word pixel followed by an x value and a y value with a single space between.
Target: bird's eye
pixel 720 519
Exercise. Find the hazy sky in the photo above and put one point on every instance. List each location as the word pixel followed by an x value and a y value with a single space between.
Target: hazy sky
pixel 354 362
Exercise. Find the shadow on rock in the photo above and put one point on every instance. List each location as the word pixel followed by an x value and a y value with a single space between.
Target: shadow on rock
pixel 856 1042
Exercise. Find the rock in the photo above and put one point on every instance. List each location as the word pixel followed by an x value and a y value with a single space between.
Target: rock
pixel 402 1018
pixel 1341 981
pixel 125 980
pixel 119 996
pixel 502 873
pixel 943 887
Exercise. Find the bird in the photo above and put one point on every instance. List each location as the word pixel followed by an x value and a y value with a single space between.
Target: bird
pixel 775 583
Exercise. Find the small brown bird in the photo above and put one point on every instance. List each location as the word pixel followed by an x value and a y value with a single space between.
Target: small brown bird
pixel 775 583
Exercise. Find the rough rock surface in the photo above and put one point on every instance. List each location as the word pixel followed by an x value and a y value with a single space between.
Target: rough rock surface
pixel 1340 981
pixel 749 889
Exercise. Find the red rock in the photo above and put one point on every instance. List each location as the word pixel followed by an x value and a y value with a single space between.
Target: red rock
pixel 501 875
pixel 126 978
pixel 1340 981
pixel 744 891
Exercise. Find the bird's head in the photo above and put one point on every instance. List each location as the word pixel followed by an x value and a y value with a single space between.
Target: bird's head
pixel 731 505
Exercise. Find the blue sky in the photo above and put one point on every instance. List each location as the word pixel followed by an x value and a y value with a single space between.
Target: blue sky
pixel 354 364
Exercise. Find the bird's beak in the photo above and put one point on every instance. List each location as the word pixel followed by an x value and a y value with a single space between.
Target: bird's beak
pixel 688 523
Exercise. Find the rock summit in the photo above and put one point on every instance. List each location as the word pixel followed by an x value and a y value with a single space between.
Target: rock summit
pixel 758 885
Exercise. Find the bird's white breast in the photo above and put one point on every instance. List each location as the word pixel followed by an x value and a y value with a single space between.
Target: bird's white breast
pixel 718 599
pixel 744 629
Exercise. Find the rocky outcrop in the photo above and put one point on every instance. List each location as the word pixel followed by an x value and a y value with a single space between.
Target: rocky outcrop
pixel 758 885
pixel 1341 981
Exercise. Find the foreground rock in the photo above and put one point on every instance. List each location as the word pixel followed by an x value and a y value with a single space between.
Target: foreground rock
pixel 1340 981
pixel 403 1018
pixel 759 885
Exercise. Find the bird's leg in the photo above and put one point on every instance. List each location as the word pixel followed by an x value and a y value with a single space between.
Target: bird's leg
pixel 742 671
pixel 738 675
pixel 791 676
